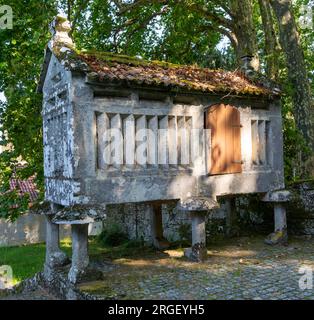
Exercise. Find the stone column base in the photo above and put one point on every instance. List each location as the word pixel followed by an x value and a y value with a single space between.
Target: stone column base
pixel 90 273
pixel 198 252
pixel 277 237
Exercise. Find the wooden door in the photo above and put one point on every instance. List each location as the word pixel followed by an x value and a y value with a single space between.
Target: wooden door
pixel 225 151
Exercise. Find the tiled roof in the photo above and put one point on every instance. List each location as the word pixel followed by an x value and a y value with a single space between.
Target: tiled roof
pixel 25 186
pixel 133 71
pixel 118 68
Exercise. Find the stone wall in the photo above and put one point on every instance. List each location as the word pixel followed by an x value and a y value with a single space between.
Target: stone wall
pixel 251 216
pixel 31 228
pixel 135 220
pixel 300 211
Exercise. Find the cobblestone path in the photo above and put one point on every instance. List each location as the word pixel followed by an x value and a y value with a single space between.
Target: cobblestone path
pixel 241 269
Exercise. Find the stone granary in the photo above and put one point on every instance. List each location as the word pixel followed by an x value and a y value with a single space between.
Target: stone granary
pixel 120 129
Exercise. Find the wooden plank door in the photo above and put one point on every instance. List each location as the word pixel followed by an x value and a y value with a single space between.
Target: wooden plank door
pixel 225 151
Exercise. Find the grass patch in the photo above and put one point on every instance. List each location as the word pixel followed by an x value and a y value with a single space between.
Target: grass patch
pixel 27 260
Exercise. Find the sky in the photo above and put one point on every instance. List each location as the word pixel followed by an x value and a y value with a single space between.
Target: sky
pixel 2 96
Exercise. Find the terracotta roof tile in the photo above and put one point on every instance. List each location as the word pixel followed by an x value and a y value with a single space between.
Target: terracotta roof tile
pixel 25 186
pixel 114 68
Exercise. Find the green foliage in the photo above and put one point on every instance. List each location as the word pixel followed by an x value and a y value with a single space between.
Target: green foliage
pixel 161 30
pixel 21 56
pixel 295 148
pixel 113 235
pixel 134 243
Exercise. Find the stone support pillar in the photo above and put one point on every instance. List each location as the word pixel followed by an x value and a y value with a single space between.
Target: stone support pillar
pixel 54 256
pixel 198 208
pixel 80 258
pixel 198 251
pixel 278 198
pixel 231 217
pixel 280 217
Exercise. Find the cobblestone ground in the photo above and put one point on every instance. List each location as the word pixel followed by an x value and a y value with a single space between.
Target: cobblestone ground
pixel 38 294
pixel 241 269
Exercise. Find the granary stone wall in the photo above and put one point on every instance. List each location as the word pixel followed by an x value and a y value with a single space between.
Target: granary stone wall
pixel 250 216
pixel 136 221
pixel 300 212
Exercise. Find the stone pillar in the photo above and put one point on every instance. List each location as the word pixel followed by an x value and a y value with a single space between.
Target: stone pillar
pixel 54 256
pixel 231 217
pixel 198 228
pixel 278 198
pixel 80 258
pixel 159 241
pixel 198 208
pixel 198 252
pixel 280 217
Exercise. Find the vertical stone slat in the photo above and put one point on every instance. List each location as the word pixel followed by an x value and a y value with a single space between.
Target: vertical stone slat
pixel 152 144
pixel 129 141
pixel 183 141
pixel 255 141
pixel 116 141
pixel 172 140
pixel 262 142
pixel 162 141
pixel 103 139
pixel 141 141
pixel 188 145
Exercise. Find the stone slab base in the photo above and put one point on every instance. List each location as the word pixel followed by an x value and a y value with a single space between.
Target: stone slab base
pixel 198 253
pixel 278 237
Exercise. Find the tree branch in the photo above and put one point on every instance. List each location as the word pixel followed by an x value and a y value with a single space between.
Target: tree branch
pixel 123 8
pixel 146 21
pixel 214 16
pixel 82 6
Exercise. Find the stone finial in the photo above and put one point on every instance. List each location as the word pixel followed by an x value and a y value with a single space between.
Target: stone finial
pixel 60 29
pixel 250 65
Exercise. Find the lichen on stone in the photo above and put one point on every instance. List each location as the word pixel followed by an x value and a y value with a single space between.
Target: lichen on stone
pixel 90 213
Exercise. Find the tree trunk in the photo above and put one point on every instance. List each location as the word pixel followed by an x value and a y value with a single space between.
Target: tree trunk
pixel 244 30
pixel 271 43
pixel 297 73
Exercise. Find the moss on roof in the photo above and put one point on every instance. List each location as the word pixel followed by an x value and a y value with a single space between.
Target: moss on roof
pixel 110 67
pixel 121 58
